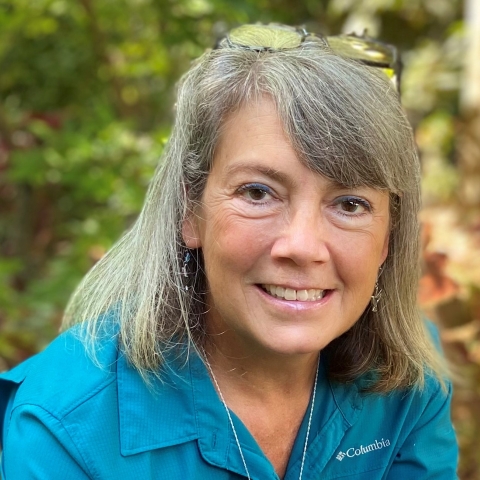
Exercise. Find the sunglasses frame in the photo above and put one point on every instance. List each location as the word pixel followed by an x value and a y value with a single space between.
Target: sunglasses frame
pixel 391 54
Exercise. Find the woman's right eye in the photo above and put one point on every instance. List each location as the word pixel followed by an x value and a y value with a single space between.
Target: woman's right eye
pixel 255 192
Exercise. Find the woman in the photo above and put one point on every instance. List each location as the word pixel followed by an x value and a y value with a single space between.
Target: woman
pixel 259 320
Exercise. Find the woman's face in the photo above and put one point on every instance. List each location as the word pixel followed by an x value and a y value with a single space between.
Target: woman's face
pixel 291 258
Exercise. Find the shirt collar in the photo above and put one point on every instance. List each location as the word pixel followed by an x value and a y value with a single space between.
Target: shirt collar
pixel 154 415
pixel 184 406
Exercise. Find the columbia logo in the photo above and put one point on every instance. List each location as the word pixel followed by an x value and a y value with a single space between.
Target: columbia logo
pixel 362 449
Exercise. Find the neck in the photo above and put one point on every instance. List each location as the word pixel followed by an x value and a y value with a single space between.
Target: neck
pixel 269 392
pixel 262 375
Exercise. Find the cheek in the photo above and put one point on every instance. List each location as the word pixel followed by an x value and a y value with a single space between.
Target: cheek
pixel 233 243
pixel 358 258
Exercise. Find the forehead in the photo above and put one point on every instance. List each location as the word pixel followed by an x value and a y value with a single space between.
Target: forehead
pixel 252 140
pixel 261 114
pixel 254 129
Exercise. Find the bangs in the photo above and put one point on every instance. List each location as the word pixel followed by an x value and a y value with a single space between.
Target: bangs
pixel 343 120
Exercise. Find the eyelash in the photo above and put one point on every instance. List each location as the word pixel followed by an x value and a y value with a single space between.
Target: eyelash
pixel 355 200
pixel 255 186
pixel 263 188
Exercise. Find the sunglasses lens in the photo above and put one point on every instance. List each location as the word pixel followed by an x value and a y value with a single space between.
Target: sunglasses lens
pixel 265 37
pixel 372 53
pixel 362 49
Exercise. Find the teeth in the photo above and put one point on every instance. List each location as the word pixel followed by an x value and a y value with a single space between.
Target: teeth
pixel 302 295
pixel 291 294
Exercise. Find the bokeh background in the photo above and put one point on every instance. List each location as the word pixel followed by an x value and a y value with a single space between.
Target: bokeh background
pixel 86 97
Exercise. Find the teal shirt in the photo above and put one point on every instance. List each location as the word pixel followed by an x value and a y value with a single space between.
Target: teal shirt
pixel 66 418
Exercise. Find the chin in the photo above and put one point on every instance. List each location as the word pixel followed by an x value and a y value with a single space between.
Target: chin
pixel 295 346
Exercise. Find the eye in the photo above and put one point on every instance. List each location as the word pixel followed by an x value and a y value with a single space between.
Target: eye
pixel 256 192
pixel 353 206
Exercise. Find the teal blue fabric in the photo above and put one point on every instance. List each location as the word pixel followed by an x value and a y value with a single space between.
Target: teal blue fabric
pixel 66 418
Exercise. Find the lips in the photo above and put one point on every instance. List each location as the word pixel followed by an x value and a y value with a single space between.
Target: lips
pixel 310 295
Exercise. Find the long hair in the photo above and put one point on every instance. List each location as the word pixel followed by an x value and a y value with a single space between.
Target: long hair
pixel 345 122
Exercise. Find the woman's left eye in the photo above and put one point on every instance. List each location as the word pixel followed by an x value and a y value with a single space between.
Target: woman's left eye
pixel 255 192
pixel 352 206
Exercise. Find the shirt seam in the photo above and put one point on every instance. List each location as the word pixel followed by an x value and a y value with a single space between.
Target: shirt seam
pixel 92 474
pixel 78 403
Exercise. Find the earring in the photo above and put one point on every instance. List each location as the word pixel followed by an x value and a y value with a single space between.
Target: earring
pixel 377 294
pixel 185 269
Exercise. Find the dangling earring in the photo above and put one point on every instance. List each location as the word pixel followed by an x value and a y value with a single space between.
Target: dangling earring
pixel 377 293
pixel 186 269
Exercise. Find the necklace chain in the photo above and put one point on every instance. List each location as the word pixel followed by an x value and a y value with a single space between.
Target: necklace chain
pixel 235 432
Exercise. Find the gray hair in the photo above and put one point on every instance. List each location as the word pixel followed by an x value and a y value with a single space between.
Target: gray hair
pixel 345 122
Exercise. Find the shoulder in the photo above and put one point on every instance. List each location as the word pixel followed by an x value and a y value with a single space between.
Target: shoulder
pixel 68 414
pixel 52 404
pixel 413 405
pixel 62 376
pixel 414 402
pixel 419 422
pixel 401 410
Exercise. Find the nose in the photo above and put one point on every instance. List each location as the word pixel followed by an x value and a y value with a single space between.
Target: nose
pixel 304 238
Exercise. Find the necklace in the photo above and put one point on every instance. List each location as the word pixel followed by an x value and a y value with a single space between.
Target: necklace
pixel 235 432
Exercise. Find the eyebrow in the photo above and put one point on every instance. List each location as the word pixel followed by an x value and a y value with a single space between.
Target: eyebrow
pixel 281 177
pixel 255 168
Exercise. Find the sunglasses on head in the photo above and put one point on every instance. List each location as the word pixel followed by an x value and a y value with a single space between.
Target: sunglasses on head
pixel 366 50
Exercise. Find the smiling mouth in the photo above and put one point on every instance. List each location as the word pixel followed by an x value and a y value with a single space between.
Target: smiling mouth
pixel 310 295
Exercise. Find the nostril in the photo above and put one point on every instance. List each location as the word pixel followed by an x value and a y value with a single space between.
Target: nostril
pixel 301 252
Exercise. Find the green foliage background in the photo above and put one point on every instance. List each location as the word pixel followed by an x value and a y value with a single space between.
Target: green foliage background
pixel 86 96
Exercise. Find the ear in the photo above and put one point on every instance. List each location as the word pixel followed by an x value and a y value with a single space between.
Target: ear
pixel 191 232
